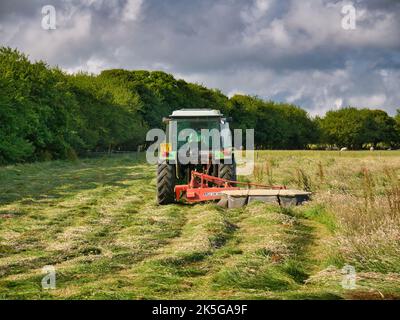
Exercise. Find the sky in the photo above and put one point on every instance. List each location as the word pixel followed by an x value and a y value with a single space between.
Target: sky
pixel 311 53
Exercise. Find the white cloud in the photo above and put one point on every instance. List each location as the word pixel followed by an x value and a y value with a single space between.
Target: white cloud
pixel 52 45
pixel 255 11
pixel 93 65
pixel 233 92
pixel 368 101
pixel 132 10
pixel 338 103
pixel 310 24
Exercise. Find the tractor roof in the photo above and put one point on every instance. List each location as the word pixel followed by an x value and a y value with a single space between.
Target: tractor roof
pixel 187 113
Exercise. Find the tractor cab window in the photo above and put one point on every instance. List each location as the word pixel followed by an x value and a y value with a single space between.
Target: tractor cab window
pixel 196 125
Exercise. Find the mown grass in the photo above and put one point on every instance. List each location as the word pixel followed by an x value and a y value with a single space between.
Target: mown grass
pixel 96 221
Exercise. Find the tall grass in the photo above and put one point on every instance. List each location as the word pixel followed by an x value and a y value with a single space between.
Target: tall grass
pixel 263 172
pixel 369 233
pixel 356 195
pixel 303 180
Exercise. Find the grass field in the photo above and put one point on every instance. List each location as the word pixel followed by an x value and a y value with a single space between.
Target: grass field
pixel 96 222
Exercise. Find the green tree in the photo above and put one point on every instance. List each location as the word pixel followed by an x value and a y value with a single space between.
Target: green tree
pixel 45 113
pixel 351 127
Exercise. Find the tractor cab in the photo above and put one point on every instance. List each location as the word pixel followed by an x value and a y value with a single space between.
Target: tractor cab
pixel 206 131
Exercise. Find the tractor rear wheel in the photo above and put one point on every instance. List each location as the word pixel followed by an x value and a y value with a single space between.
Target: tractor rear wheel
pixel 227 171
pixel 165 183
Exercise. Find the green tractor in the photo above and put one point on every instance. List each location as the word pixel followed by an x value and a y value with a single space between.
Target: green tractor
pixel 205 155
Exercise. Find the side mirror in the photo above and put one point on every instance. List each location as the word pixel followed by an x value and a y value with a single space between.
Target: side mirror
pixel 165 120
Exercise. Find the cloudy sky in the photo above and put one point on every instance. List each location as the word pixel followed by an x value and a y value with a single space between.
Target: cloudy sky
pixel 301 52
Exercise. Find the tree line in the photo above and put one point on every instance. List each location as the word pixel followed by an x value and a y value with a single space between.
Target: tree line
pixel 48 114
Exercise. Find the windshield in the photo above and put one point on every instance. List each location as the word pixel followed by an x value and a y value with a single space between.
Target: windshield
pixel 196 125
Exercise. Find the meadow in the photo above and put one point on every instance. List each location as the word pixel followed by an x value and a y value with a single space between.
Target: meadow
pixel 96 221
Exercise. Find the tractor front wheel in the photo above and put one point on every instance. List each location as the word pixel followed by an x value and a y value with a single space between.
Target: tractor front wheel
pixel 165 183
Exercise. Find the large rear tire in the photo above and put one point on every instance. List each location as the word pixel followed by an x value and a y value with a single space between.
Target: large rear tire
pixel 166 180
pixel 227 171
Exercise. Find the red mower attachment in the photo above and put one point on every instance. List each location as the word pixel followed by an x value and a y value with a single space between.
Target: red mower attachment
pixel 203 187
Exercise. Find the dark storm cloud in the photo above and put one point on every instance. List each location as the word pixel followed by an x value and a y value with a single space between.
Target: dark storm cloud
pixel 19 8
pixel 294 51
pixel 385 5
